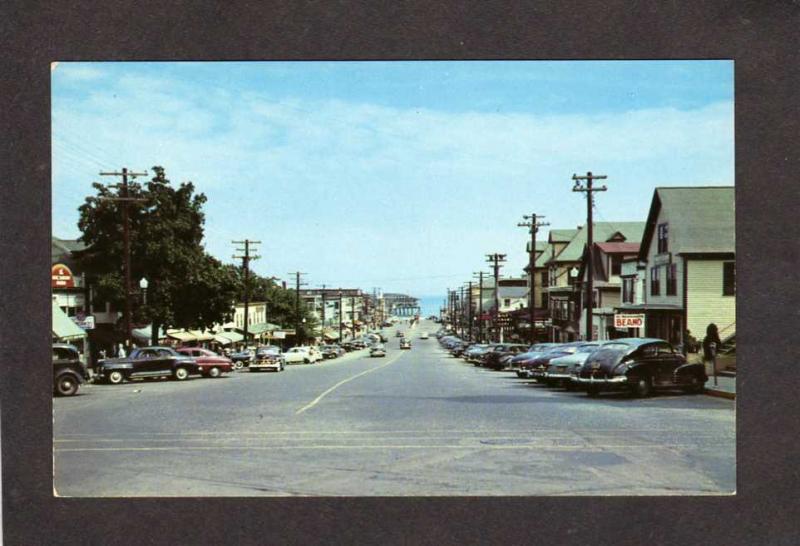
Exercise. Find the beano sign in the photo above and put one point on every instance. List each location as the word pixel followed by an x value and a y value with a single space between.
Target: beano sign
pixel 628 321
pixel 61 277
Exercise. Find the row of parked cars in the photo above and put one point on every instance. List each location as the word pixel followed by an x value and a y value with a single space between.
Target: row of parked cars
pixel 639 365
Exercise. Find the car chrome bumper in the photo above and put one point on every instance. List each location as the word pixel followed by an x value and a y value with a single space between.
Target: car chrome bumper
pixel 601 381
pixel 550 375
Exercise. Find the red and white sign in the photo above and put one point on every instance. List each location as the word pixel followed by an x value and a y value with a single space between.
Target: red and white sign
pixel 628 321
pixel 61 277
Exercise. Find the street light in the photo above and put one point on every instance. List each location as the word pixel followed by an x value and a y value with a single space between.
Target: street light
pixel 143 284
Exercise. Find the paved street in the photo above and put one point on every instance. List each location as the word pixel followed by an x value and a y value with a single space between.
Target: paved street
pixel 417 422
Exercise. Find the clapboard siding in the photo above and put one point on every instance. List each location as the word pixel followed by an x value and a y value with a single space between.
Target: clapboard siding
pixel 705 303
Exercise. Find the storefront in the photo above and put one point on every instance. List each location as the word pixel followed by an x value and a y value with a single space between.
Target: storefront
pixel 661 321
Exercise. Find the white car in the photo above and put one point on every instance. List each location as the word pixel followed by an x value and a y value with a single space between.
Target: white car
pixel 305 355
pixel 424 335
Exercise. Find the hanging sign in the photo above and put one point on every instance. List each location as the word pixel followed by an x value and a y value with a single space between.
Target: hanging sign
pixel 61 277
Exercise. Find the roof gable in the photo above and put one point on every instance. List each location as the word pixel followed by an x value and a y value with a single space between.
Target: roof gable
pixel 602 231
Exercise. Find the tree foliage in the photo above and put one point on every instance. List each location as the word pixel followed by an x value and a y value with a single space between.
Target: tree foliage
pixel 187 287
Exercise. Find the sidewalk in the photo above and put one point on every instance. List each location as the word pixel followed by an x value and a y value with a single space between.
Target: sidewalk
pixel 725 387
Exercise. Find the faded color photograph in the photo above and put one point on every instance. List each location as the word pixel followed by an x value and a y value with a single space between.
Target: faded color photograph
pixel 449 278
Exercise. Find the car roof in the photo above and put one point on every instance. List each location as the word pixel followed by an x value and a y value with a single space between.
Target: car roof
pixel 636 341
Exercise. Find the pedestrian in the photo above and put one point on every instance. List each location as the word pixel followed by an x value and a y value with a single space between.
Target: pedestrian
pixel 121 351
pixel 711 344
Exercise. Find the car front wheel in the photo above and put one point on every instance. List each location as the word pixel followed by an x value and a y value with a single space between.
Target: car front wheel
pixel 66 385
pixel 116 377
pixel 181 373
pixel 642 387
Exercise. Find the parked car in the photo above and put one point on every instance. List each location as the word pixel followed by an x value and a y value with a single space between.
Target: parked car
pixel 474 351
pixel 640 365
pixel 377 350
pixel 331 351
pixel 242 358
pixel 306 355
pixel 69 373
pixel 538 366
pixel 561 369
pixel 523 361
pixel 491 358
pixel 209 363
pixel 423 335
pixel 405 344
pixel 147 362
pixel 398 333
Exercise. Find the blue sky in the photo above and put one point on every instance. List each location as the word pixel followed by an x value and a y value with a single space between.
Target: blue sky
pixel 399 175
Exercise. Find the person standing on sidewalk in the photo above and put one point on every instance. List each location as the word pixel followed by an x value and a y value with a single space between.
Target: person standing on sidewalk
pixel 711 344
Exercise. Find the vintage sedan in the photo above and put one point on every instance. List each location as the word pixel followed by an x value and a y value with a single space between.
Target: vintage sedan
pixel 561 369
pixel 405 344
pixel 306 355
pixel 377 350
pixel 538 367
pixel 640 365
pixel 243 358
pixel 210 363
pixel 523 361
pixel 492 359
pixel 147 362
pixel 68 370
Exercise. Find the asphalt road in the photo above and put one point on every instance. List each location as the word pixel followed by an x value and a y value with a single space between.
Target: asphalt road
pixel 417 422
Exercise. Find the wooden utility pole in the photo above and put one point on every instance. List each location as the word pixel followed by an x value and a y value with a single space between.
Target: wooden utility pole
pixel 532 221
pixel 470 309
pixel 353 313
pixel 246 258
pixel 496 260
pixel 480 306
pixel 589 299
pixel 340 315
pixel 298 333
pixel 124 198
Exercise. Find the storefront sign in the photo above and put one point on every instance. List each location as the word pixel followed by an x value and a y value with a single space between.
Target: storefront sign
pixel 61 277
pixel 628 321
pixel 85 322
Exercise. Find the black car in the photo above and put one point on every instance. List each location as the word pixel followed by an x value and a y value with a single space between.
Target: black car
pixel 492 358
pixel 68 370
pixel 639 365
pixel 537 368
pixel 147 362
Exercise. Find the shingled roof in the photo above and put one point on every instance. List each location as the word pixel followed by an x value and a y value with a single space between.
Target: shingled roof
pixel 602 232
pixel 702 219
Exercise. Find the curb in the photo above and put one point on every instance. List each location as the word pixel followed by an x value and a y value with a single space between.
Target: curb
pixel 721 394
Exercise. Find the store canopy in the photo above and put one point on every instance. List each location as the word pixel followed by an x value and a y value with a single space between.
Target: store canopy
pixel 235 337
pixel 63 327
pixel 181 335
pixel 200 335
pixel 331 335
pixel 261 327
pixel 145 334
pixel 222 340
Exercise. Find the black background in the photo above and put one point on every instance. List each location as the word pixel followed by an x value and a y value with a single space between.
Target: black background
pixel 760 36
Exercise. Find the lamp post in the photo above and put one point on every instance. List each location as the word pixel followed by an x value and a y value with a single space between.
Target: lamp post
pixel 143 284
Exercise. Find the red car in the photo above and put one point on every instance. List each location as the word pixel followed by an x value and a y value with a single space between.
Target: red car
pixel 209 362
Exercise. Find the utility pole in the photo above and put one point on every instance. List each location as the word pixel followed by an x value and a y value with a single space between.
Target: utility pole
pixel 323 313
pixel 589 300
pixel 496 260
pixel 532 221
pixel 298 336
pixel 246 258
pixel 353 313
pixel 124 198
pixel 480 306
pixel 340 315
pixel 470 309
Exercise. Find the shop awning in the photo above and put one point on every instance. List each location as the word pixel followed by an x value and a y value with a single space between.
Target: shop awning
pixel 144 335
pixel 63 327
pixel 331 335
pixel 202 335
pixel 181 335
pixel 235 337
pixel 261 328
pixel 222 340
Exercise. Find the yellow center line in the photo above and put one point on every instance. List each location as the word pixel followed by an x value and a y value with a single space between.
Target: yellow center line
pixel 342 382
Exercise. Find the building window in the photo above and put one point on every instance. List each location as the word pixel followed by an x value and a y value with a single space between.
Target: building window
pixel 616 265
pixel 544 278
pixel 506 302
pixel 655 287
pixel 663 231
pixel 672 279
pixel 627 290
pixel 729 279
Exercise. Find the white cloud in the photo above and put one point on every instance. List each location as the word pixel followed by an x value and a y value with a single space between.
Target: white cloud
pixel 287 167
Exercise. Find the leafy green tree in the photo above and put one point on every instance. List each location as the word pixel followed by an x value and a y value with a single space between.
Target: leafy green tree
pixel 187 287
pixel 281 304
